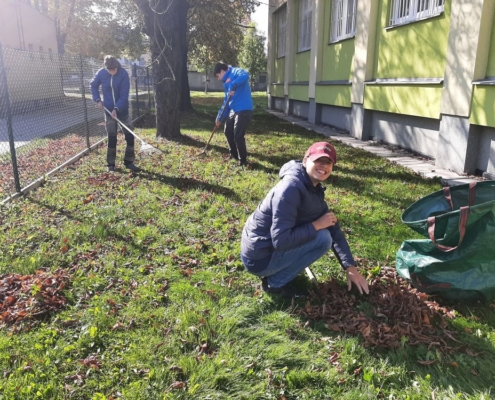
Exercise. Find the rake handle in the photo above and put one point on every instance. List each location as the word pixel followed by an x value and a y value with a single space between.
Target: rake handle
pixel 215 128
pixel 124 126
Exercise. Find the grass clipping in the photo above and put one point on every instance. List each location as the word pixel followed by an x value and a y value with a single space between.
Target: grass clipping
pixel 392 314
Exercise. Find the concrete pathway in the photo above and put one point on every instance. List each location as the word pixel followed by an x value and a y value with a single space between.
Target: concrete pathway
pixel 49 121
pixel 420 165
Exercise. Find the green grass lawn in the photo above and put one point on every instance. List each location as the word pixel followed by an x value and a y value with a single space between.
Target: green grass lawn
pixel 158 305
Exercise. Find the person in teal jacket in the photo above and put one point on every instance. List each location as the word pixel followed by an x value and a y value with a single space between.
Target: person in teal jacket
pixel 237 109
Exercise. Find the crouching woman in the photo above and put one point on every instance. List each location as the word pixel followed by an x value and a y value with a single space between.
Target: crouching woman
pixel 293 227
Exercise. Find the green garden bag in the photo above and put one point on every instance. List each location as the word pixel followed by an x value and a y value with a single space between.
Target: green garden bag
pixel 457 260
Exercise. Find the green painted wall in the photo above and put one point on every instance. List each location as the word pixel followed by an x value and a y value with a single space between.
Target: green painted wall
pixel 299 92
pixel 338 58
pixel 277 90
pixel 490 70
pixel 301 67
pixel 301 60
pixel 415 50
pixel 422 101
pixel 278 74
pixel 483 106
pixel 338 95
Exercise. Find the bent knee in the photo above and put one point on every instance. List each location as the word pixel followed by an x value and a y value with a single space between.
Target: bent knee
pixel 324 238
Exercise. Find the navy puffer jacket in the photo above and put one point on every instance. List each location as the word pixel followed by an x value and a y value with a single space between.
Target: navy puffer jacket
pixel 283 220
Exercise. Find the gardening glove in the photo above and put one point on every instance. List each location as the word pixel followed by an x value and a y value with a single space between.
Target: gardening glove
pixel 353 276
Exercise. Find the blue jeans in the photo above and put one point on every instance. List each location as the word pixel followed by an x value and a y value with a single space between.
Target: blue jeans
pixel 285 265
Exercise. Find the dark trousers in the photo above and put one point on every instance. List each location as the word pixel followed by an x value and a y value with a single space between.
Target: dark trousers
pixel 235 129
pixel 112 127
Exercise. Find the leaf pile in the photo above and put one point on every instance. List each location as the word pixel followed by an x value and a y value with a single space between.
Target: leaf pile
pixel 30 297
pixel 392 314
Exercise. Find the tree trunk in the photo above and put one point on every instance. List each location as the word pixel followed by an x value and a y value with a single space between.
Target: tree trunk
pixel 185 98
pixel 163 26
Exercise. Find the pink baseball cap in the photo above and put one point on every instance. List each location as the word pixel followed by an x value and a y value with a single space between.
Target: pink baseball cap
pixel 321 149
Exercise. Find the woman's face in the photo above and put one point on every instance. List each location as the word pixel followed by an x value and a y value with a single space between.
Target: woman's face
pixel 318 170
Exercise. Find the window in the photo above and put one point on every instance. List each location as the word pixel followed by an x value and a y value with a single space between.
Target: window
pixel 404 11
pixel 343 22
pixel 304 31
pixel 281 31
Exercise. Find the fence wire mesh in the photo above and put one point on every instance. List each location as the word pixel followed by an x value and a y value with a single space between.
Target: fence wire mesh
pixel 47 115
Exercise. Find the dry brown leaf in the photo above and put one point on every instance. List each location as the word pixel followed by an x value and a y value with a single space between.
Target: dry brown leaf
pixel 177 385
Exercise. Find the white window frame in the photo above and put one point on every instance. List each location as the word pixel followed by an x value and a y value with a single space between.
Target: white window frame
pixel 407 11
pixel 281 16
pixel 305 25
pixel 343 20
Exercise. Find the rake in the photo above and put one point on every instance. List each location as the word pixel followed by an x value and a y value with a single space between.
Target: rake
pixel 145 147
pixel 215 128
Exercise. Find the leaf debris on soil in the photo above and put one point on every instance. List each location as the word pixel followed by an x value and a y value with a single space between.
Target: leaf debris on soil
pixel 393 313
pixel 30 297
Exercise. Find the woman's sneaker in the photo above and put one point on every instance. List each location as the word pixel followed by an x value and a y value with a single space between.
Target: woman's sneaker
pixel 288 291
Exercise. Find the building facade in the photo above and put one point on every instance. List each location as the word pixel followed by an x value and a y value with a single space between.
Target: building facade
pixel 29 39
pixel 415 73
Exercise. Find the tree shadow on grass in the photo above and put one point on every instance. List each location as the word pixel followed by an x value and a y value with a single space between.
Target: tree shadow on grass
pixel 111 233
pixel 189 184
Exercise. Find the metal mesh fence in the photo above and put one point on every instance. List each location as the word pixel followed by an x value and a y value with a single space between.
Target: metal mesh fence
pixel 47 115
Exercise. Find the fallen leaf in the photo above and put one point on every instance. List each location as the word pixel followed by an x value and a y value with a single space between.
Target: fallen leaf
pixel 177 385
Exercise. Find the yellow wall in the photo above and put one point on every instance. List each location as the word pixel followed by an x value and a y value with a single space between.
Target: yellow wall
pixel 422 101
pixel 299 92
pixel 335 95
pixel 277 90
pixel 278 74
pixel 338 58
pixel 483 106
pixel 301 67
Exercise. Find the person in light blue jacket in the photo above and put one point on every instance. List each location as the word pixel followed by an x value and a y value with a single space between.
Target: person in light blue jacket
pixel 237 109
pixel 293 227
pixel 115 86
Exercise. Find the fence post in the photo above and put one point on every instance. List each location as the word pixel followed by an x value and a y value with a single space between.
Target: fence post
pixel 148 83
pixel 136 84
pixel 83 94
pixel 10 130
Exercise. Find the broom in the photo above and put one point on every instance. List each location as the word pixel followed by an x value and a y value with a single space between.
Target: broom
pixel 145 147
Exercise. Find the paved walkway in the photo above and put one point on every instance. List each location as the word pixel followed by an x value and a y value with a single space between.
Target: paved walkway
pixel 46 122
pixel 421 166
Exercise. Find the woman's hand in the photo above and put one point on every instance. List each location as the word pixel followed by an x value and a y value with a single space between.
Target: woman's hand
pixel 354 277
pixel 326 220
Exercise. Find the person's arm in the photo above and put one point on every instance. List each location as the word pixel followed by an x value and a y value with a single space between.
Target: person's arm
pixel 340 247
pixel 224 110
pixel 342 251
pixel 284 232
pixel 125 87
pixel 95 87
pixel 240 77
